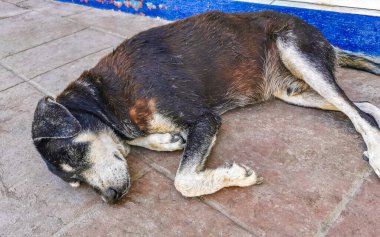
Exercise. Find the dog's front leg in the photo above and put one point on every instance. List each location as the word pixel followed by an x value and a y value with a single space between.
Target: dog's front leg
pixel 160 142
pixel 192 178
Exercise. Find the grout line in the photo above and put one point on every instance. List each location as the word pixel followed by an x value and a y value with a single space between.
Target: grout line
pixel 100 29
pixel 10 87
pixel 46 42
pixel 75 13
pixel 18 14
pixel 60 4
pixel 331 218
pixel 13 71
pixel 38 86
pixel 87 212
pixel 35 85
pixel 95 28
pixel 108 32
pixel 216 206
pixel 77 59
pixel 212 204
pixel 165 172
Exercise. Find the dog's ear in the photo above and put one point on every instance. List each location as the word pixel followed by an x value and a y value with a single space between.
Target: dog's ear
pixel 53 120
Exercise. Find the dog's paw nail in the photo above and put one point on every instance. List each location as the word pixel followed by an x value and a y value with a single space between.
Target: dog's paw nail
pixel 177 137
pixel 228 164
pixel 248 170
pixel 289 91
pixel 365 156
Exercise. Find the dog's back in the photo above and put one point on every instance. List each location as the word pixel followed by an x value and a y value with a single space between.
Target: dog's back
pixel 215 60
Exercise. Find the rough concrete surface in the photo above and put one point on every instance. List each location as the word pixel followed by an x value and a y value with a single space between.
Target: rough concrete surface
pixel 316 183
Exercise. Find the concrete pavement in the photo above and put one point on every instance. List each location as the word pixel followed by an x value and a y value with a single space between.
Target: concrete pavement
pixel 316 183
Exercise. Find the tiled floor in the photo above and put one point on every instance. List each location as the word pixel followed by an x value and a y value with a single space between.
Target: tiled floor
pixel 316 183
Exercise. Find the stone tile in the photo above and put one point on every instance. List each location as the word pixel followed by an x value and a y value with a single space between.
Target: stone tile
pixel 8 10
pixel 32 29
pixel 308 158
pixel 36 4
pixel 120 23
pixel 153 208
pixel 32 200
pixel 359 85
pixel 8 79
pixel 362 214
pixel 52 7
pixel 66 9
pixel 56 80
pixel 41 59
pixel 17 105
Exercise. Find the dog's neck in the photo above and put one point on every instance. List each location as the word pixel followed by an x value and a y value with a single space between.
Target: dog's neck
pixel 82 97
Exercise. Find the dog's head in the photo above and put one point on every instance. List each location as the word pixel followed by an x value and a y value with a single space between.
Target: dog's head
pixel 78 155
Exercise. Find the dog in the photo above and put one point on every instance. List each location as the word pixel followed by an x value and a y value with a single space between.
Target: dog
pixel 166 88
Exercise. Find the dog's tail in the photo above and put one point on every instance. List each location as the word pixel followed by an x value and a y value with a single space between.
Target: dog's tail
pixel 358 61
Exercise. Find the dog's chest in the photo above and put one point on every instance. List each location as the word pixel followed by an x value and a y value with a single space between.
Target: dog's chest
pixel 145 116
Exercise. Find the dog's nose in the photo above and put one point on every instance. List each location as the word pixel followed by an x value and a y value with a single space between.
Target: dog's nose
pixel 111 195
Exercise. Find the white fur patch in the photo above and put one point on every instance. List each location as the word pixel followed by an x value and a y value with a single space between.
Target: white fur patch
pixel 370 109
pixel 67 168
pixel 75 184
pixel 85 137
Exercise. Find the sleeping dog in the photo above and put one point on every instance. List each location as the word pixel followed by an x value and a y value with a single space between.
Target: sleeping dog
pixel 166 88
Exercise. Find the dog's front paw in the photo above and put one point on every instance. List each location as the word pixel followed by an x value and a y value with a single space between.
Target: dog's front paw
pixel 167 141
pixel 241 175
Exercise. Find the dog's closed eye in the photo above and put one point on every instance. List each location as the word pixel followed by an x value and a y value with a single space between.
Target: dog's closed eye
pixel 119 156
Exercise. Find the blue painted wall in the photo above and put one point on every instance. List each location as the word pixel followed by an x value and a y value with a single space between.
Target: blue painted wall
pixel 357 33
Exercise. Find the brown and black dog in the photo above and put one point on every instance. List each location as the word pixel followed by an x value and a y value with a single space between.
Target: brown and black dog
pixel 165 89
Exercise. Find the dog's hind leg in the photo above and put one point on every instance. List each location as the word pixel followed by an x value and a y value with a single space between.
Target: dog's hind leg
pixel 308 98
pixel 192 179
pixel 315 66
pixel 311 99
